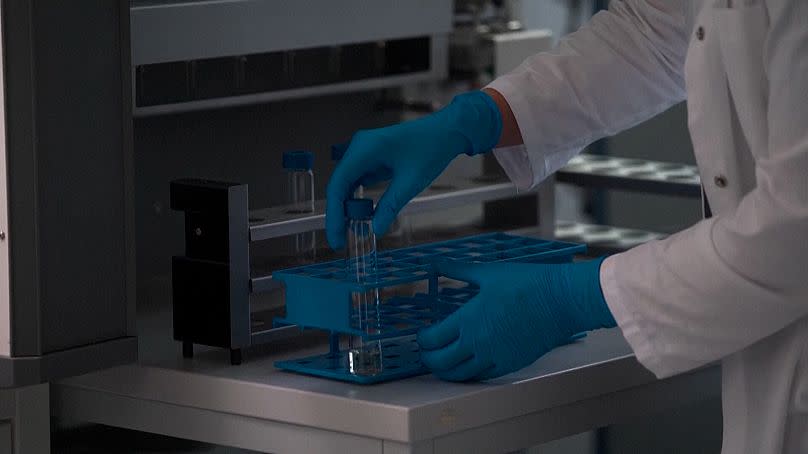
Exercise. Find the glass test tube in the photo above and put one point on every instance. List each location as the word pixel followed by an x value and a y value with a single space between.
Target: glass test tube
pixel 298 166
pixel 364 356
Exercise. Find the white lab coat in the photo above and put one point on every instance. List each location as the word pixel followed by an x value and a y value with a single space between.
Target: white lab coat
pixel 733 287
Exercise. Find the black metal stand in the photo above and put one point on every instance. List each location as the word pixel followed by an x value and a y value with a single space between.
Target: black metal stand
pixel 187 349
pixel 211 282
pixel 235 356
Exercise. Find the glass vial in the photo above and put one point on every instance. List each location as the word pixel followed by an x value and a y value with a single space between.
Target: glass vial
pixel 364 356
pixel 300 186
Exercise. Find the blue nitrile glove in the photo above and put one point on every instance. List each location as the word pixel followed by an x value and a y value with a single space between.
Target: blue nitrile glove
pixel 411 154
pixel 523 311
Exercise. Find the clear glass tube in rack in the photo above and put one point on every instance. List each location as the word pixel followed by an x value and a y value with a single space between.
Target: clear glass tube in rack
pixel 364 356
pixel 300 174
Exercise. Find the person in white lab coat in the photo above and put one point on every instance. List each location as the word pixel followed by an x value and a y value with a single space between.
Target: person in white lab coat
pixel 732 288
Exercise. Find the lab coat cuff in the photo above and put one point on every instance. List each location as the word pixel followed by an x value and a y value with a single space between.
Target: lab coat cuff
pixel 636 332
pixel 524 164
pixel 516 163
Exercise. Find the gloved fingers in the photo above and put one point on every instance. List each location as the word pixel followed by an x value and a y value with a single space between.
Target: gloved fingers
pixel 400 191
pixel 468 272
pixel 440 335
pixel 448 357
pixel 374 178
pixel 465 371
pixel 340 187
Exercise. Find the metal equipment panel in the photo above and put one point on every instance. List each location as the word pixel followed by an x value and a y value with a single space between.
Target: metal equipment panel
pixel 182 30
pixel 81 157
pixel 69 169
pixel 5 303
pixel 597 377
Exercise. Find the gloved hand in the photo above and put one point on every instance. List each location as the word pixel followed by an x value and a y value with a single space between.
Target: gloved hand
pixel 522 311
pixel 412 154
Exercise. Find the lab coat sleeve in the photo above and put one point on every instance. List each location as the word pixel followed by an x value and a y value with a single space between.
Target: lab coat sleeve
pixel 735 279
pixel 623 67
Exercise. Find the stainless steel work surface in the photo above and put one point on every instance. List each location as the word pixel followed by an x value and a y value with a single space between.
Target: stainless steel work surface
pixel 406 411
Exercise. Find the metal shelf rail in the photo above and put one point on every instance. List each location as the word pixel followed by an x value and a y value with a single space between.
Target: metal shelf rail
pixel 583 170
pixel 603 239
pixel 632 175
pixel 194 55
pixel 277 222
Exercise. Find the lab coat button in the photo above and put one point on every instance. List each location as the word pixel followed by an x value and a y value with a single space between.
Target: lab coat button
pixel 720 181
pixel 700 33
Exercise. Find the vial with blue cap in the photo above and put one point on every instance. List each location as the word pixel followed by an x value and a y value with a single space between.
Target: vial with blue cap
pixel 299 168
pixel 402 225
pixel 364 356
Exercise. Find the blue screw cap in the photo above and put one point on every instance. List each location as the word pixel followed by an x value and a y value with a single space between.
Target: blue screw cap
pixel 338 151
pixel 359 209
pixel 298 160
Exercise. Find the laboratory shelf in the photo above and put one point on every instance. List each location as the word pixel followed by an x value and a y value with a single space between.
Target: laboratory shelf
pixel 276 222
pixel 584 170
pixel 198 55
pixel 606 172
pixel 588 384
pixel 238 100
pixel 182 30
pixel 603 239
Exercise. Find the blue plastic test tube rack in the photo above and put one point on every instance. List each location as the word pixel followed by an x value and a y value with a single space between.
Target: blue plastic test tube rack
pixel 318 296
